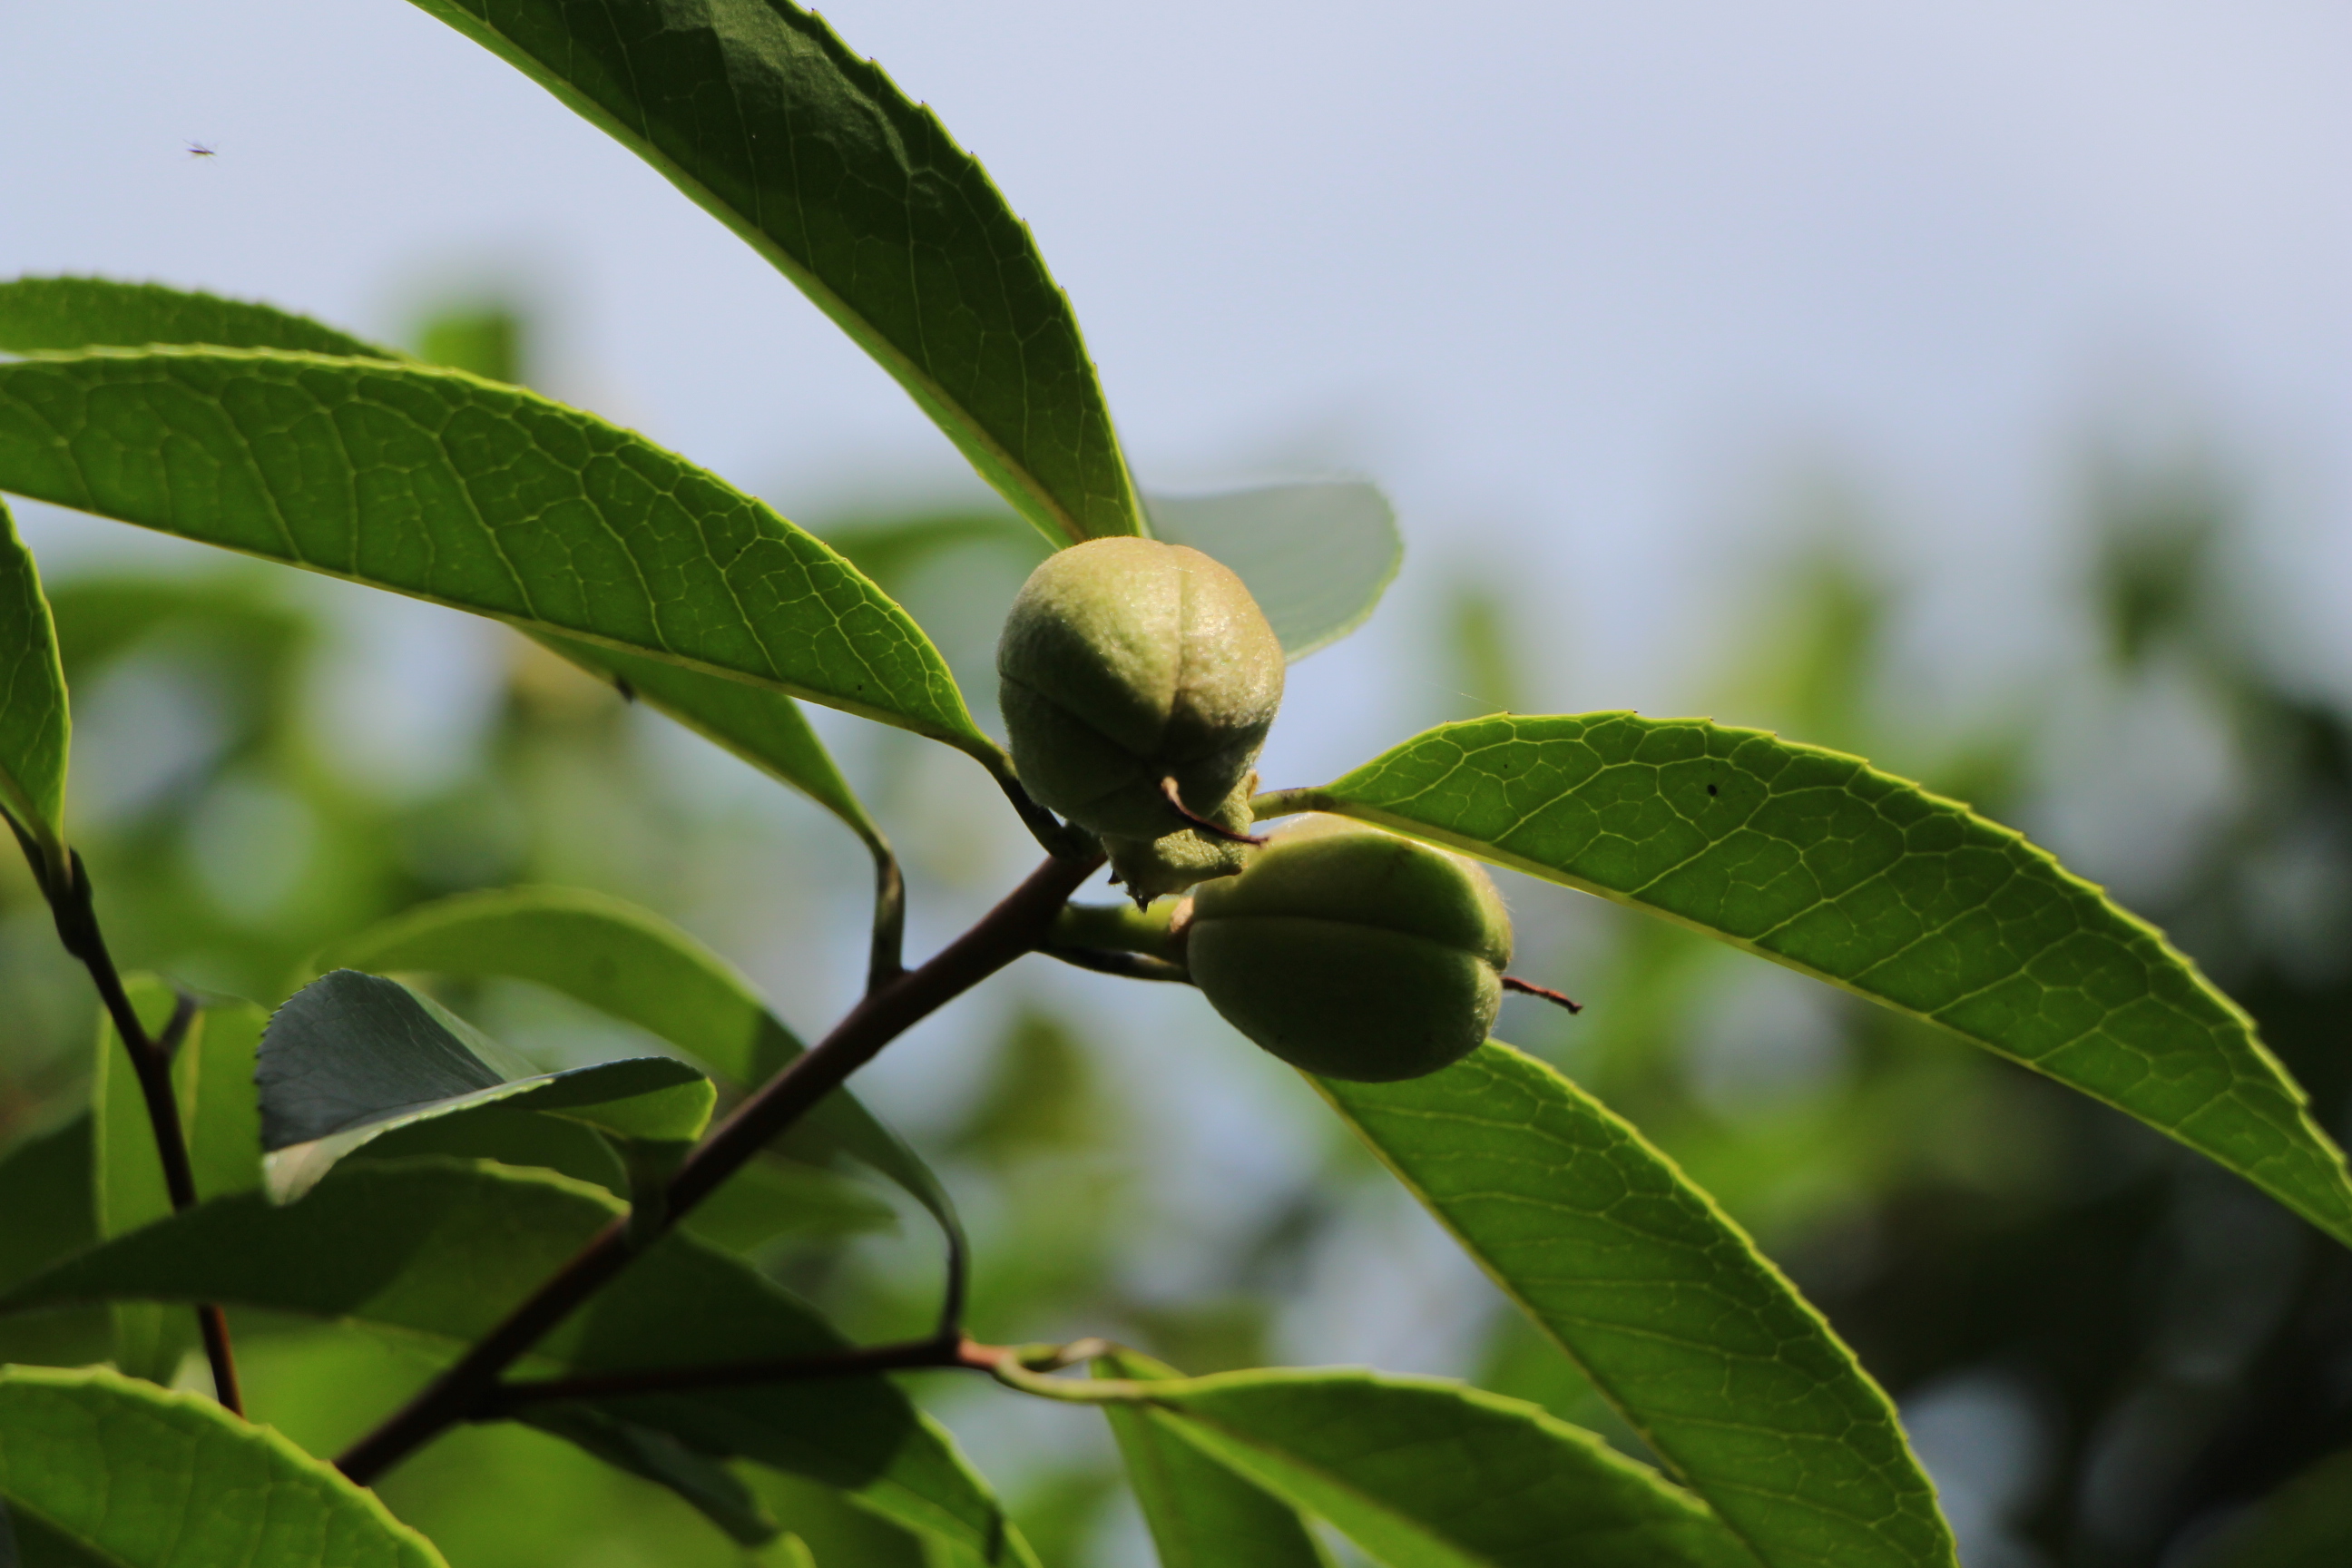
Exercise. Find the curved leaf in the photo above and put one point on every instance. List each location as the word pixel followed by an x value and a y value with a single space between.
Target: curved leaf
pixel 68 313
pixel 1820 862
pixel 353 1056
pixel 1201 1513
pixel 127 1475
pixel 1708 1350
pixel 486 498
pixel 633 964
pixel 765 728
pixel 1316 557
pixel 762 726
pixel 445 1247
pixel 1426 1473
pixel 34 720
pixel 756 111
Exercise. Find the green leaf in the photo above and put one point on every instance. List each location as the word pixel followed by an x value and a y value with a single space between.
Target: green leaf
pixel 765 728
pixel 2305 1524
pixel 127 1475
pixel 45 1191
pixel 716 1492
pixel 637 967
pixel 1316 557
pixel 1820 862
pixel 212 1087
pixel 353 1056
pixel 762 726
pixel 446 1248
pixel 763 118
pixel 34 721
pixel 68 313
pixel 128 1188
pixel 1202 1514
pixel 1423 1473
pixel 486 498
pixel 1710 1353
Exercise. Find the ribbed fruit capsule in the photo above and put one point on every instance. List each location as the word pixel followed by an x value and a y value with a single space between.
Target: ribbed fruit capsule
pixel 1352 953
pixel 1126 663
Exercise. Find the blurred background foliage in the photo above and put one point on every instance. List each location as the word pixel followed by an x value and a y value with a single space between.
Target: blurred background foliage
pixel 2108 1353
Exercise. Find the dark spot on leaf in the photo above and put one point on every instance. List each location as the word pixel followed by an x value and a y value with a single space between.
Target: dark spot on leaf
pixel 628 692
pixel 1712 790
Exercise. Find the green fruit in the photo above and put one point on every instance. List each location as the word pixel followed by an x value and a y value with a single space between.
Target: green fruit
pixel 1353 953
pixel 1126 663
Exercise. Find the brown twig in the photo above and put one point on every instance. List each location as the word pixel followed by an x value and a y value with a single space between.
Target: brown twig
pixel 1014 927
pixel 74 908
pixel 1529 988
pixel 1213 829
pixel 940 1350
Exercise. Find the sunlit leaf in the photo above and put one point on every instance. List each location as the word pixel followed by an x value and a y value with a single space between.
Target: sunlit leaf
pixel 465 492
pixel 34 723
pixel 1316 557
pixel 1436 1474
pixel 857 195
pixel 123 1473
pixel 446 1248
pixel 1708 1352
pixel 68 313
pixel 353 1056
pixel 633 964
pixel 1201 1513
pixel 763 726
pixel 1818 861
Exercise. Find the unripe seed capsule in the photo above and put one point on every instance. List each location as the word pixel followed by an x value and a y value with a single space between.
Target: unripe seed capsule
pixel 1126 663
pixel 1352 953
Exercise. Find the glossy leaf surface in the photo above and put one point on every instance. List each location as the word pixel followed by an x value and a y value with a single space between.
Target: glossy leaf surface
pixel 52 314
pixel 445 1247
pixel 1708 1350
pixel 132 1477
pixel 1820 862
pixel 353 1056
pixel 761 115
pixel 1316 557
pixel 464 492
pixel 1428 1474
pixel 633 964
pixel 34 721
pixel 763 726
pixel 1201 1513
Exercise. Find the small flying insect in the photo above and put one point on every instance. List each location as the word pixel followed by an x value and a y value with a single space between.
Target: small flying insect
pixel 198 149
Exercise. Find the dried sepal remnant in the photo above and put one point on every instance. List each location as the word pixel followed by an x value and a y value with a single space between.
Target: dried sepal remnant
pixel 1139 680
pixel 1352 953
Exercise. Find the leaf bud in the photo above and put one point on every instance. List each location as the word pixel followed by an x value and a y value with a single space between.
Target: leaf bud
pixel 1127 664
pixel 1352 953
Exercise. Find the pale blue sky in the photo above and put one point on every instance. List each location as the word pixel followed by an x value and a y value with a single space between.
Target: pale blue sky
pixel 1584 286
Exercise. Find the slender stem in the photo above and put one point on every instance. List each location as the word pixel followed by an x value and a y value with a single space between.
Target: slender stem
pixel 886 960
pixel 74 908
pixel 1063 840
pixel 1014 927
pixel 939 1350
pixel 1529 988
pixel 1289 802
